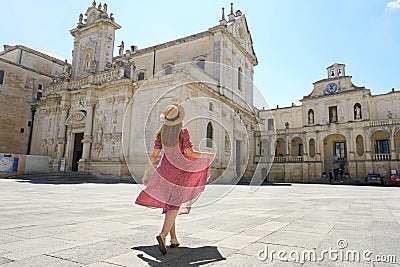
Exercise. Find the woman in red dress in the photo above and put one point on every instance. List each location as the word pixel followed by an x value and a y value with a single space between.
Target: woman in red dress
pixel 179 178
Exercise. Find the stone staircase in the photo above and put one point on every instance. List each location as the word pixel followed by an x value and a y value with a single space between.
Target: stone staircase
pixel 71 177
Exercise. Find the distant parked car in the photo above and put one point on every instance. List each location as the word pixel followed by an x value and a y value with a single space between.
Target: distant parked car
pixel 374 178
pixel 395 180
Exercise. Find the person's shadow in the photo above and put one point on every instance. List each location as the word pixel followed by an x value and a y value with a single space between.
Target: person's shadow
pixel 180 256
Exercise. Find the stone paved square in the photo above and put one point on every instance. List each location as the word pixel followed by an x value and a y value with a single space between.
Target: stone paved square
pixel 97 224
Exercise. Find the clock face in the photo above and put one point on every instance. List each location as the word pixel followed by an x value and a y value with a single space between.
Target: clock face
pixel 331 88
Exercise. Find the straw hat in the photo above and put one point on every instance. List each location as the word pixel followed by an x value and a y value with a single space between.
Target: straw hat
pixel 172 115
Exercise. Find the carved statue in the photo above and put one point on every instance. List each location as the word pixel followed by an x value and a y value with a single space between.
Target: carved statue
pixel 121 48
pixel 99 135
pixel 105 8
pixel 66 70
pixel 112 16
pixel 227 143
pixel 334 118
pixel 80 19
pixel 358 112
pixel 99 7
pixel 94 3
pixel 311 118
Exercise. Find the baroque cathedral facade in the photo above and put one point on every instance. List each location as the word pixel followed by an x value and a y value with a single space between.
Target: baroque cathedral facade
pixel 100 113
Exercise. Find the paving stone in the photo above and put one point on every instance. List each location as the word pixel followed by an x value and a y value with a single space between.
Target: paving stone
pixel 41 260
pixel 33 247
pixel 5 260
pixel 212 234
pixel 292 238
pixel 98 225
pixel 237 241
pixel 91 253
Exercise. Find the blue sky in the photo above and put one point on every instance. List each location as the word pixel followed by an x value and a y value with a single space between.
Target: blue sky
pixel 294 40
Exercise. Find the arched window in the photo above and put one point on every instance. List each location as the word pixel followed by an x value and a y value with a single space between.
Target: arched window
pixel 209 135
pixel 210 106
pixel 360 145
pixel 201 63
pixel 168 70
pixel 240 78
pixel 311 147
pixel 140 76
pixel 357 111
pixel 88 58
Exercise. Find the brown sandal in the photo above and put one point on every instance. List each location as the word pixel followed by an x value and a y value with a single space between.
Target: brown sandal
pixel 161 244
pixel 174 243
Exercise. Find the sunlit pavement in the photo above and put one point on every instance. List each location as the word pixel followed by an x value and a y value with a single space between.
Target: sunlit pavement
pixel 97 224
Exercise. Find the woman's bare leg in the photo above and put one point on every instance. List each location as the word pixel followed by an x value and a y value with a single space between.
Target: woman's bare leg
pixel 172 233
pixel 169 221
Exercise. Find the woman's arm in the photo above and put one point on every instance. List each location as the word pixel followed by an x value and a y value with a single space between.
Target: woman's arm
pixel 195 154
pixel 153 159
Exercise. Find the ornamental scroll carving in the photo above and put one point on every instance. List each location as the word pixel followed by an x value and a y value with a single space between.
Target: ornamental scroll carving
pixel 77 118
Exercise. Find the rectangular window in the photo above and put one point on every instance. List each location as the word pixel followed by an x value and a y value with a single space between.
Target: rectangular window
pixel 333 114
pixel 340 150
pixel 1 76
pixel 300 150
pixel 382 146
pixel 270 124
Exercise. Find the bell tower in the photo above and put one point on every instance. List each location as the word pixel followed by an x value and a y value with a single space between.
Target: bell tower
pixel 94 41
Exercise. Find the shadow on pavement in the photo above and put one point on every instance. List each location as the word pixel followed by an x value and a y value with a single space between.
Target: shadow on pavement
pixel 180 256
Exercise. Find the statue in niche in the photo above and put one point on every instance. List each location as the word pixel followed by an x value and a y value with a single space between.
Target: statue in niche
pixel 334 117
pixel 88 57
pixel 311 118
pixel 358 112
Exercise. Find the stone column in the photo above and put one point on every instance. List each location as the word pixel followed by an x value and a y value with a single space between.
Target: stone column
pixel 87 135
pixel 393 155
pixel 368 155
pixel 61 140
pixel 367 145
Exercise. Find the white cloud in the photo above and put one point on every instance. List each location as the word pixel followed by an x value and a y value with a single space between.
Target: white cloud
pixel 393 5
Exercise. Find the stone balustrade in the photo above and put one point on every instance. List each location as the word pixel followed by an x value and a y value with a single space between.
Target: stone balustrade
pixel 93 79
pixel 381 157
pixel 379 123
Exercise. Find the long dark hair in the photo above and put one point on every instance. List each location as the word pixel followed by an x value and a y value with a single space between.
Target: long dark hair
pixel 169 135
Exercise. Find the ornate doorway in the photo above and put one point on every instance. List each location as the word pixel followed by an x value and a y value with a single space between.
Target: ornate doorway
pixel 77 152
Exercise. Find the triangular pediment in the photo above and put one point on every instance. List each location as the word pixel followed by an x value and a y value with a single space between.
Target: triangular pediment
pixel 240 31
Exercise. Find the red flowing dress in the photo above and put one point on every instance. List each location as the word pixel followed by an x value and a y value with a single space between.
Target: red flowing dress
pixel 178 179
